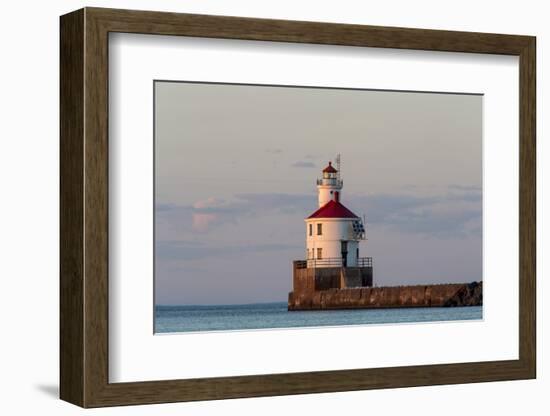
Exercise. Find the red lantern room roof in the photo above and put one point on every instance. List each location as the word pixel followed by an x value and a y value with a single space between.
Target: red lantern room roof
pixel 333 209
pixel 329 168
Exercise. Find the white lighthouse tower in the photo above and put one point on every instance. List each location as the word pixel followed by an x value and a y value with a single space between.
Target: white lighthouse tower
pixel 333 232
pixel 328 184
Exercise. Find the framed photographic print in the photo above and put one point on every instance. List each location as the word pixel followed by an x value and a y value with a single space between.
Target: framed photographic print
pixel 255 207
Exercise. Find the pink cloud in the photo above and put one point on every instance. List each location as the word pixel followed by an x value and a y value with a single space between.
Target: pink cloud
pixel 208 203
pixel 201 221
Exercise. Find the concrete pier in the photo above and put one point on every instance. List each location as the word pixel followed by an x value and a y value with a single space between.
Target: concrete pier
pixel 437 295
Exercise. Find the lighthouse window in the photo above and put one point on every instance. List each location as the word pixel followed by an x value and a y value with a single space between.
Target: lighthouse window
pixel 319 253
pixel 320 229
pixel 310 229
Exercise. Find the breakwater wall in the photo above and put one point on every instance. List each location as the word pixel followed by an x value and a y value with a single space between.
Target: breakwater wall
pixel 442 295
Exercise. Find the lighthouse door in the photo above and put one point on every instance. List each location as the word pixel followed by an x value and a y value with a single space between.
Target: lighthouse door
pixel 344 249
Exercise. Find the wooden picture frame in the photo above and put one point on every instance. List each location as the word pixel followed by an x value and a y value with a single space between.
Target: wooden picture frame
pixel 84 207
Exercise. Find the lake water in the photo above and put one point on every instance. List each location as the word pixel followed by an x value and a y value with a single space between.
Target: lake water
pixel 275 315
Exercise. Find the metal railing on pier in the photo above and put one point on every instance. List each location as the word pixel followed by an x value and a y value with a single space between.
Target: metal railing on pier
pixel 332 262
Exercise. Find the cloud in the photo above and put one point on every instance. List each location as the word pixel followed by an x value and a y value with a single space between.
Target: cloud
pixel 191 250
pixel 465 188
pixel 201 222
pixel 455 213
pixel 165 207
pixel 449 215
pixel 258 204
pixel 203 215
pixel 207 203
pixel 274 151
pixel 303 164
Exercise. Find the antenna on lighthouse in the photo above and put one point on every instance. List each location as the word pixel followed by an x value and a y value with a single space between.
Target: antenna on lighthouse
pixel 338 164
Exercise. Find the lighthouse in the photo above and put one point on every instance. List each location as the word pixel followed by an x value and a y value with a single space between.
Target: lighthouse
pixel 333 232
pixel 329 184
pixel 333 258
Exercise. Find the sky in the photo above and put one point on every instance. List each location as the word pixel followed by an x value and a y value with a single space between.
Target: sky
pixel 235 172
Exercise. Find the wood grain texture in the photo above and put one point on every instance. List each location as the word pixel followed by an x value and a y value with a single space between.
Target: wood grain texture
pixel 96 209
pixel 527 209
pixel 71 208
pixel 84 207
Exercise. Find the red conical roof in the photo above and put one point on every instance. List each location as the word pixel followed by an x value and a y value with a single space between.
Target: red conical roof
pixel 329 168
pixel 333 209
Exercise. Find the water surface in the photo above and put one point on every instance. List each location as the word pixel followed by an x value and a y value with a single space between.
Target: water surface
pixel 191 318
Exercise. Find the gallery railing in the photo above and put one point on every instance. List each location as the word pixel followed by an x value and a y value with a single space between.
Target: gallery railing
pixel 338 182
pixel 332 262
